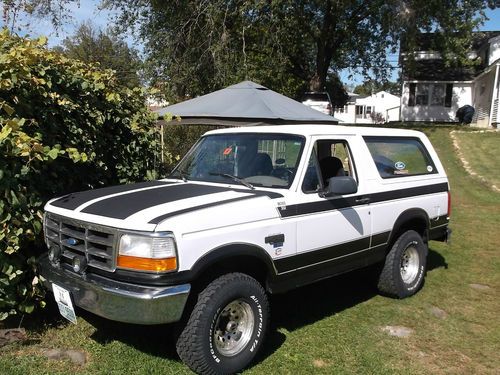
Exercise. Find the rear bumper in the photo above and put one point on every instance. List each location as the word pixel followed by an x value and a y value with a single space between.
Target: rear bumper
pixel 119 301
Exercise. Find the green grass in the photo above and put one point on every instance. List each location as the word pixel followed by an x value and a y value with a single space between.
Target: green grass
pixel 482 153
pixel 331 327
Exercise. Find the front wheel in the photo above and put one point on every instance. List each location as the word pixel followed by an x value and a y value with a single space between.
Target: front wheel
pixel 226 327
pixel 405 265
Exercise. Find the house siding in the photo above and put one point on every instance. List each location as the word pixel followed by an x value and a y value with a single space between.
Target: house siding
pixel 381 102
pixel 483 95
pixel 461 95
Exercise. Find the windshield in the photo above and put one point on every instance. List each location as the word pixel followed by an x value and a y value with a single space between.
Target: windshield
pixel 255 159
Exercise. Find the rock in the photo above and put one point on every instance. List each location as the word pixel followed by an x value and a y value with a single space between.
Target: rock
pixel 479 286
pixel 8 336
pixel 437 312
pixel 398 331
pixel 78 357
pixel 55 354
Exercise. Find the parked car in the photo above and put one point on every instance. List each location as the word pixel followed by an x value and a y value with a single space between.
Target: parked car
pixel 248 212
pixel 320 101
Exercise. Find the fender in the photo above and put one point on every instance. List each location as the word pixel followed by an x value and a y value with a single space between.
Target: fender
pixel 231 250
pixel 405 217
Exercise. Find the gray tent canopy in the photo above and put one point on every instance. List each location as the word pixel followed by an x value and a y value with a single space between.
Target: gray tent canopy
pixel 244 104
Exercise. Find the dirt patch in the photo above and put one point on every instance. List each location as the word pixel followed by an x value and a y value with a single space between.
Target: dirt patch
pixel 319 363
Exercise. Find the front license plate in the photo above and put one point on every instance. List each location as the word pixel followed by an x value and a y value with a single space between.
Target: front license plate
pixel 63 300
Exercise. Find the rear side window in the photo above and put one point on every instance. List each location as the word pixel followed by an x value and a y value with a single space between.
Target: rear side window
pixel 400 156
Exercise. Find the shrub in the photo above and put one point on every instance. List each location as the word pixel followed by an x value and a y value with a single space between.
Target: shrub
pixel 178 139
pixel 64 126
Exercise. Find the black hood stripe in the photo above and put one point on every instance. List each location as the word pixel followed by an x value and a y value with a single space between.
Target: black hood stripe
pixel 123 206
pixel 75 200
pixel 159 219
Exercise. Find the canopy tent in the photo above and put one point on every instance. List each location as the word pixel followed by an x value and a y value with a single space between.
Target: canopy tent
pixel 244 104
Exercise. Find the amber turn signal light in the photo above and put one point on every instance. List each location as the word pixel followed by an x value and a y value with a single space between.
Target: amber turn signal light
pixel 147 264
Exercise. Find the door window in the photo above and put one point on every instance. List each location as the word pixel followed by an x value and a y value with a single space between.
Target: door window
pixel 329 158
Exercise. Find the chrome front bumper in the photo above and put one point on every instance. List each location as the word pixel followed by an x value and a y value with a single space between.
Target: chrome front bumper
pixel 115 300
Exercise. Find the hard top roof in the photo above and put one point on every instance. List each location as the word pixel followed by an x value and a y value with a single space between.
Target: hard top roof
pixel 310 130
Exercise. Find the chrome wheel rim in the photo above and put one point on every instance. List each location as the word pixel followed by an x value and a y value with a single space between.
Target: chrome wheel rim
pixel 233 328
pixel 409 264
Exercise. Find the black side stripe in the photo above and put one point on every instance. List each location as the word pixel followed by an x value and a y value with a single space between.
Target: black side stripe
pixel 326 254
pixel 159 219
pixel 338 203
pixel 74 200
pixel 380 238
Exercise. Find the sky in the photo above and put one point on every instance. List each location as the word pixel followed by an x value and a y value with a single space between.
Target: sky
pixel 89 10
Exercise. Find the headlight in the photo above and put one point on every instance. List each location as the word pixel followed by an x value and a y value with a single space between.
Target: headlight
pixel 155 252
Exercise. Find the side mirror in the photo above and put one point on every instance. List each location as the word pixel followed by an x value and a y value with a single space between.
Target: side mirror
pixel 341 185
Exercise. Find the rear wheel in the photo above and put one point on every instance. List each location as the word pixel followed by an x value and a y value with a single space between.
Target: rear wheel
pixel 226 327
pixel 405 266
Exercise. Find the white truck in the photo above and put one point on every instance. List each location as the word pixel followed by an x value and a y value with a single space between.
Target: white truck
pixel 246 213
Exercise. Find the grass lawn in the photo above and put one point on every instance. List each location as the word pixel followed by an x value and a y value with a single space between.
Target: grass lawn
pixel 482 152
pixel 334 327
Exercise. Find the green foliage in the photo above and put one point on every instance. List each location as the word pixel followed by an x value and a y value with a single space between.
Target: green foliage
pixel 290 46
pixel 370 87
pixel 20 14
pixel 178 139
pixel 64 126
pixel 106 48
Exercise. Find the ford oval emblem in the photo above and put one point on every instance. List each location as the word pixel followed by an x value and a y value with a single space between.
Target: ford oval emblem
pixel 400 165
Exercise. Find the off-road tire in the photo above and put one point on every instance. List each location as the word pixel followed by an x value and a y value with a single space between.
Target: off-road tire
pixel 196 344
pixel 392 278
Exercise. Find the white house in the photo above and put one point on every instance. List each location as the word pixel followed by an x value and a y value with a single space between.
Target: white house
pixel 434 92
pixel 379 107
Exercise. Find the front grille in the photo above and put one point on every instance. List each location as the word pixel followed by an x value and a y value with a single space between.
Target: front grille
pixel 95 242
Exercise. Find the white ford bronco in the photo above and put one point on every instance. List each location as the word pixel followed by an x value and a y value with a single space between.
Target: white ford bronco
pixel 246 213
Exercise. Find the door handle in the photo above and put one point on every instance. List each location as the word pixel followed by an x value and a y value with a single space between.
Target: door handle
pixel 363 200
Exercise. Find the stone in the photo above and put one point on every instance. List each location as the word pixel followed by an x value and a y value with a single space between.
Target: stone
pixel 479 286
pixel 398 331
pixel 8 336
pixel 78 357
pixel 437 312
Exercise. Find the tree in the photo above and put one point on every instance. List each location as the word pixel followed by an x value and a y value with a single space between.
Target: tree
pixel 371 86
pixel 16 14
pixel 92 45
pixel 290 45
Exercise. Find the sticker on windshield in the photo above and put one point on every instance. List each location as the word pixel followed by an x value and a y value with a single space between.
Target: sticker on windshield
pixel 399 165
pixel 429 168
pixel 227 151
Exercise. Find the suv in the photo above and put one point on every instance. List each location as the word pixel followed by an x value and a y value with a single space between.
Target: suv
pixel 247 212
pixel 320 101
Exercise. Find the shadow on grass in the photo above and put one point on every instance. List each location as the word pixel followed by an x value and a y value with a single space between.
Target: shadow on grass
pixel 291 311
pixel 156 340
pixel 435 260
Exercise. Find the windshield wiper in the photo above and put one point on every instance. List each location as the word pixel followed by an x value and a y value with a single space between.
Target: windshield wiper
pixel 182 174
pixel 234 178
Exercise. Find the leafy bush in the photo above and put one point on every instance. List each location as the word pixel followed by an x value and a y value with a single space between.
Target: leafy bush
pixel 178 139
pixel 64 126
